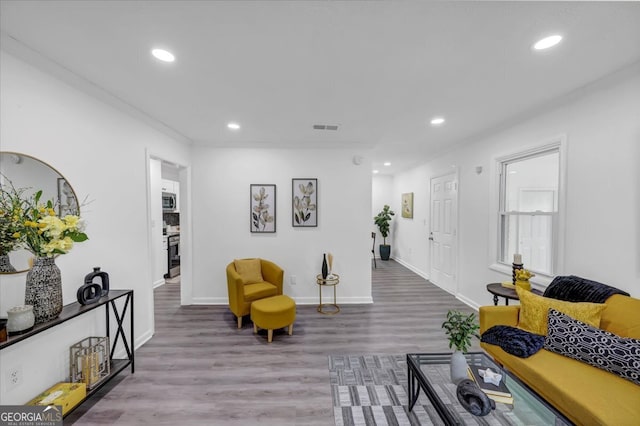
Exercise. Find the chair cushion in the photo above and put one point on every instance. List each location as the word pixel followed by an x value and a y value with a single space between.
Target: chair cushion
pixel 259 290
pixel 534 310
pixel 249 269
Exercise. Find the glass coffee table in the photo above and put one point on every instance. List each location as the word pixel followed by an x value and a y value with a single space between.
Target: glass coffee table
pixel 430 372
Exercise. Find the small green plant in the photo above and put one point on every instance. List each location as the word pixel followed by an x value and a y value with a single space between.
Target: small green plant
pixel 382 220
pixel 460 328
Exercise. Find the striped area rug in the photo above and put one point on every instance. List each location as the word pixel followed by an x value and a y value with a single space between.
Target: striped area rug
pixel 372 390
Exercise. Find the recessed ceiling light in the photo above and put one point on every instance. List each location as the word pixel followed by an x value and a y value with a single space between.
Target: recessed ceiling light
pixel 163 55
pixel 233 126
pixel 375 172
pixel 387 163
pixel 547 42
pixel 437 121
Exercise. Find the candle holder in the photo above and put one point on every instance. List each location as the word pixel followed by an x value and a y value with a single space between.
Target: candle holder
pixel 514 268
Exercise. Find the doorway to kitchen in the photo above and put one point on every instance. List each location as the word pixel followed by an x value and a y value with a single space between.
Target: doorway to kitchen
pixel 168 225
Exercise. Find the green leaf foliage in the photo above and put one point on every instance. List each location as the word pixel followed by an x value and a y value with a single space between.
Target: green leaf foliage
pixel 460 329
pixel 382 221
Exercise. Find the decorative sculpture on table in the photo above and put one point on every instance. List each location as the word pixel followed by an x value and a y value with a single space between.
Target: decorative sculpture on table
pixel 91 292
pixel 522 278
pixel 473 399
pixel 325 269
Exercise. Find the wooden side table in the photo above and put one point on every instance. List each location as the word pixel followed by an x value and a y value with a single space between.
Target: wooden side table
pixel 508 293
pixel 331 281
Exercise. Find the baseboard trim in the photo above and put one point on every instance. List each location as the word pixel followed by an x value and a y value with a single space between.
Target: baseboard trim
pixel 298 300
pixel 468 302
pixel 412 268
pixel 158 283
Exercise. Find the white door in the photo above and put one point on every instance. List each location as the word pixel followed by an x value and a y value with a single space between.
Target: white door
pixel 444 219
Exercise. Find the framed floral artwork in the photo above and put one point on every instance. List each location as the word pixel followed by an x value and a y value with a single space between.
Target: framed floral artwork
pixel 407 205
pixel 304 197
pixel 263 208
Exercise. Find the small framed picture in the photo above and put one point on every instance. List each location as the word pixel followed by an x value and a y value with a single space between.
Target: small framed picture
pixel 304 198
pixel 407 205
pixel 262 208
pixel 67 201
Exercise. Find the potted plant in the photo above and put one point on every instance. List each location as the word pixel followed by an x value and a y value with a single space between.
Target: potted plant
pixel 460 329
pixel 382 221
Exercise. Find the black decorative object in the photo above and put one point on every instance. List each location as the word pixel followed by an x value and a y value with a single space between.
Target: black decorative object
pixel 89 293
pixel 325 268
pixel 102 276
pixel 514 268
pixel 473 399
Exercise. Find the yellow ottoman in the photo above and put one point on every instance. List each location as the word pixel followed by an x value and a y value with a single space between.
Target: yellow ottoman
pixel 272 313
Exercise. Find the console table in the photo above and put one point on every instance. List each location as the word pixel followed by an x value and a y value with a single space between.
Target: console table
pixel 75 309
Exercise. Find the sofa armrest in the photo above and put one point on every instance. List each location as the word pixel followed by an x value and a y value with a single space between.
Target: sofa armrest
pixel 498 315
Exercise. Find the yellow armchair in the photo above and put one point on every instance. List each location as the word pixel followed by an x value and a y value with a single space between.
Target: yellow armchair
pixel 244 289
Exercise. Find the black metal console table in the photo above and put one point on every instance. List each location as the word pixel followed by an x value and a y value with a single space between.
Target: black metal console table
pixel 75 309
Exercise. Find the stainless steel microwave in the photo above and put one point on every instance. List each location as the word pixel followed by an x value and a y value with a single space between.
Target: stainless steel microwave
pixel 169 203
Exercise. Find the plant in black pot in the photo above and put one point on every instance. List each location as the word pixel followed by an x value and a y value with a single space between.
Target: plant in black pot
pixel 382 221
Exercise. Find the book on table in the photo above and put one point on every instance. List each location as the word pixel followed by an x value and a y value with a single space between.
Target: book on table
pixel 499 393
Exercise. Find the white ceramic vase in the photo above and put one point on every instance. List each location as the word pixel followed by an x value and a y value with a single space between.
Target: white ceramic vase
pixel 458 367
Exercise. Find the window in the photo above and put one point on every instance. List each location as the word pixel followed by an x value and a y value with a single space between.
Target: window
pixel 529 209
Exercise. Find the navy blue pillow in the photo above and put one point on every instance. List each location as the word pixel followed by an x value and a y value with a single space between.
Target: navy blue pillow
pixel 513 340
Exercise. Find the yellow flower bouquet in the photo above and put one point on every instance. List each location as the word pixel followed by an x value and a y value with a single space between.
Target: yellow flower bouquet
pixel 46 234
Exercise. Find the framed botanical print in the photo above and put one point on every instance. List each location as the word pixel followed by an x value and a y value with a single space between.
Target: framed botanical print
pixel 304 198
pixel 263 208
pixel 407 205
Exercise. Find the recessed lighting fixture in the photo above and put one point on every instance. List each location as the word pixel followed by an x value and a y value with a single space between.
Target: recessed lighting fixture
pixel 387 163
pixel 547 42
pixel 437 121
pixel 376 172
pixel 163 55
pixel 233 126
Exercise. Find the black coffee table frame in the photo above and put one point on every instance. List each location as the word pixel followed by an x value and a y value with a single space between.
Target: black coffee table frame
pixel 417 380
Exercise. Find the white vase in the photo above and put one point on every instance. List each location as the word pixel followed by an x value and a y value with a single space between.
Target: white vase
pixel 458 367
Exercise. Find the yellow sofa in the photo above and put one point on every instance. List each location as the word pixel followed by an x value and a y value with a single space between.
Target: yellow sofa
pixel 241 295
pixel 586 395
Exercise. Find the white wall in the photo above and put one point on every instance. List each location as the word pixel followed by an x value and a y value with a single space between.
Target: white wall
pixel 381 194
pixel 159 254
pixel 102 154
pixel 602 127
pixel 221 179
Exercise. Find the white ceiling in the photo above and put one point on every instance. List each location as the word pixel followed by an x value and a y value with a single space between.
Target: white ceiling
pixel 380 70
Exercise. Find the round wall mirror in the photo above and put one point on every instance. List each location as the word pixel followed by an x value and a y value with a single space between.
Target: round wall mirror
pixel 31 174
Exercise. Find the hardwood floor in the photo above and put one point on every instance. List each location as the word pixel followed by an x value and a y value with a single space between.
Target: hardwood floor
pixel 199 369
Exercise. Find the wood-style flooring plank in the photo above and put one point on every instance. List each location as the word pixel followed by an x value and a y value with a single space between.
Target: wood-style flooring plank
pixel 199 369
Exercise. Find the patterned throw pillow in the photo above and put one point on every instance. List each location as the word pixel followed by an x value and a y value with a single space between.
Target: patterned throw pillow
pixel 534 310
pixel 604 350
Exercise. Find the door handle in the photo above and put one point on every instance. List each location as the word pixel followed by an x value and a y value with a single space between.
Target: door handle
pixel 430 236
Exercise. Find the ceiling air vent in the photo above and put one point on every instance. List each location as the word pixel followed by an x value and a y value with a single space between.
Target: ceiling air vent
pixel 325 127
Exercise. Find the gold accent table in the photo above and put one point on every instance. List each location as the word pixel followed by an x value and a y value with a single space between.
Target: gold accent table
pixel 331 281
